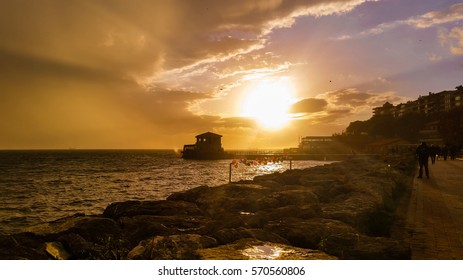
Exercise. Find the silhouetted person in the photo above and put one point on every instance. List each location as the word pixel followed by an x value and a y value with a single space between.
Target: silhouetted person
pixel 438 152
pixel 432 153
pixel 445 152
pixel 423 153
pixel 453 152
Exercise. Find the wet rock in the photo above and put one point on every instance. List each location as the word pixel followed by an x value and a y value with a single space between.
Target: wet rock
pixel 172 247
pixel 355 210
pixel 79 248
pixel 307 233
pixel 91 228
pixel 191 195
pixel 57 250
pixel 269 184
pixel 233 199
pixel 137 228
pixel 155 208
pixel 338 239
pixel 226 220
pixel 232 235
pixel 288 197
pixel 252 249
pixel 22 246
pixel 362 247
pixel 297 211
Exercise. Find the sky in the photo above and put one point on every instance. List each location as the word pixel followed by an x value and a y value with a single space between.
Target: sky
pixel 153 74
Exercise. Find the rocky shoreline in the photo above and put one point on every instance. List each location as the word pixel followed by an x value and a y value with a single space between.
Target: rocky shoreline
pixel 343 210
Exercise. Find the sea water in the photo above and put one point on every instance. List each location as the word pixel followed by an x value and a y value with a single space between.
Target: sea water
pixel 40 186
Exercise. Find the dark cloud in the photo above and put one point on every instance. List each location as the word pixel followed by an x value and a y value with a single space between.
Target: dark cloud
pixel 355 99
pixel 332 116
pixel 308 105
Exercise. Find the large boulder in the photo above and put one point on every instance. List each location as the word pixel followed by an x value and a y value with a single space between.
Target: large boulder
pixel 231 198
pixel 92 228
pixel 299 196
pixel 82 249
pixel 155 208
pixel 137 228
pixel 172 247
pixel 307 233
pixel 22 246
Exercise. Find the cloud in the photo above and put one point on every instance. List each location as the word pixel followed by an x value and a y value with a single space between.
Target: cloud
pixel 383 80
pixel 331 116
pixel 355 101
pixel 147 37
pixel 453 14
pixel 127 73
pixel 167 44
pixel 46 104
pixel 236 122
pixel 434 57
pixel 331 111
pixel 452 38
pixel 308 105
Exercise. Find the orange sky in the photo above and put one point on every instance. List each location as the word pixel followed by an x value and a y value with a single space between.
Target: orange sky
pixel 153 74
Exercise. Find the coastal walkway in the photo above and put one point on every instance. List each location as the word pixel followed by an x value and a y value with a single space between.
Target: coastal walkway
pixel 434 219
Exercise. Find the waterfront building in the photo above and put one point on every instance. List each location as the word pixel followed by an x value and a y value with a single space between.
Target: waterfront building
pixel 432 103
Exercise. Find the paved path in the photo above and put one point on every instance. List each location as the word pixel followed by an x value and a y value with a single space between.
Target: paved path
pixel 435 214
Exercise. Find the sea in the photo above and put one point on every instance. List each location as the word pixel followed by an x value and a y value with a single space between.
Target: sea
pixel 44 185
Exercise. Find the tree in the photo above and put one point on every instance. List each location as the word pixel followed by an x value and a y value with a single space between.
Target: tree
pixel 383 126
pixel 451 126
pixel 408 126
pixel 357 128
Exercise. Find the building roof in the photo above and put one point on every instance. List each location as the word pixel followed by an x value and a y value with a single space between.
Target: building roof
pixel 208 134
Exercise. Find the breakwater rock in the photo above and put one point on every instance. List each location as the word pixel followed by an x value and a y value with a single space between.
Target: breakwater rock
pixel 342 210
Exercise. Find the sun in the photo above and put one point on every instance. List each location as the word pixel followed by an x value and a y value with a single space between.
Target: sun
pixel 268 102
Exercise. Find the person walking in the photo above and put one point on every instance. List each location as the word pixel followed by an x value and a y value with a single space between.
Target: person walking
pixel 423 154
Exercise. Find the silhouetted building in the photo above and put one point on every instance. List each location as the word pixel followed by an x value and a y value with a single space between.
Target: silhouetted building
pixel 208 146
pixel 314 144
pixel 386 110
pixel 432 103
pixel 430 134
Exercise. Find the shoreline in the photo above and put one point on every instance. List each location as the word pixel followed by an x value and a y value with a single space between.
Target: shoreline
pixel 342 210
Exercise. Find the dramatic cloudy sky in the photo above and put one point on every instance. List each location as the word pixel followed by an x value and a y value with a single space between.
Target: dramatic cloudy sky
pixel 155 73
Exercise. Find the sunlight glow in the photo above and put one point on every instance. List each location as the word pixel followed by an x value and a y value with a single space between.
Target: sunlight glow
pixel 268 103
